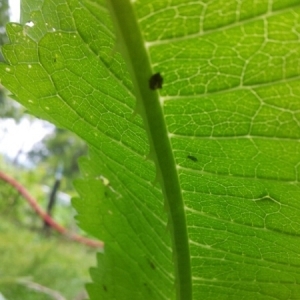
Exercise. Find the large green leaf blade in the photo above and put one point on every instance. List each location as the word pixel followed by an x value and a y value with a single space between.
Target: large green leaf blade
pixel 230 103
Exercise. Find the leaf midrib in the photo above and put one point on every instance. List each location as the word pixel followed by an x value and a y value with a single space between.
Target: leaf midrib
pixel 148 105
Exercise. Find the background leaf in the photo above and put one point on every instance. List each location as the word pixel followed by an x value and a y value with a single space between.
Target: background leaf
pixel 228 110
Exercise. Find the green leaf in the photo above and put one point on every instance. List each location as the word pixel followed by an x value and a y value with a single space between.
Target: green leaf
pixel 222 135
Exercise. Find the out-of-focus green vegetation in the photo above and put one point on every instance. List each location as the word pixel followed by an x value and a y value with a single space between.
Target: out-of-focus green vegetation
pixel 35 181
pixel 51 262
pixel 29 256
pixel 59 148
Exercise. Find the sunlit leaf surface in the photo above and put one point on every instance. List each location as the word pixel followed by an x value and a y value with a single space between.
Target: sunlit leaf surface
pixel 222 134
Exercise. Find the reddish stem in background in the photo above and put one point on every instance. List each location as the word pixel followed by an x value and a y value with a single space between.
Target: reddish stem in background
pixel 33 203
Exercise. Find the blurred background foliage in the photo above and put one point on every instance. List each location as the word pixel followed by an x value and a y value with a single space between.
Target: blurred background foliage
pixel 36 264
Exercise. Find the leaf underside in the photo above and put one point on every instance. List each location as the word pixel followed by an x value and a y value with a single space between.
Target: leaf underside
pixel 230 101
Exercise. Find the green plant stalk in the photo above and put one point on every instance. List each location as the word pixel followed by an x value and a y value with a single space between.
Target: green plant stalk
pixel 130 39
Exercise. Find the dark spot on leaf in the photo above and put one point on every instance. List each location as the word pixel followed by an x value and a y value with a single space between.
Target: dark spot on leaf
pixel 104 288
pixel 151 264
pixel 147 288
pixel 155 81
pixel 193 158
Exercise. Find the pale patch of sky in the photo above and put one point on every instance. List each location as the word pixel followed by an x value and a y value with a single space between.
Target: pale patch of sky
pixel 14 10
pixel 21 137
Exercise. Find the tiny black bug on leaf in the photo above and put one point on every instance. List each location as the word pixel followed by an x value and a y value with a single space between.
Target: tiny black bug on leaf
pixel 156 81
pixel 193 158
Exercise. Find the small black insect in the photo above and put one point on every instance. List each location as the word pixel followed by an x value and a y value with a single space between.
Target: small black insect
pixel 156 81
pixel 193 158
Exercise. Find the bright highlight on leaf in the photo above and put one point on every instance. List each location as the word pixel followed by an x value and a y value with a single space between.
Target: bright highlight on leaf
pixel 223 134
